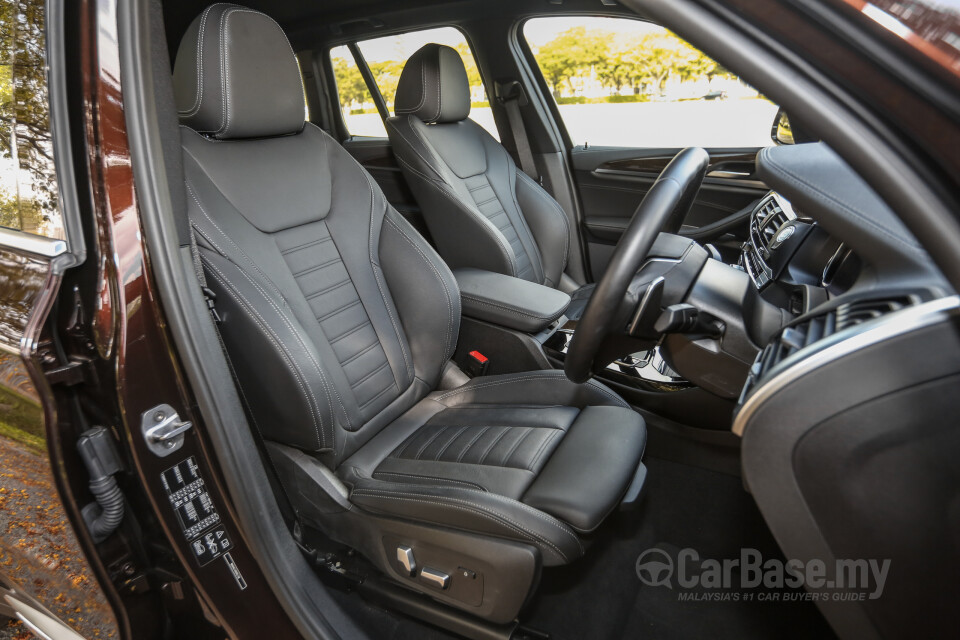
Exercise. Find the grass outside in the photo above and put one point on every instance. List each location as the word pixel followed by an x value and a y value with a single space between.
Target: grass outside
pixel 21 420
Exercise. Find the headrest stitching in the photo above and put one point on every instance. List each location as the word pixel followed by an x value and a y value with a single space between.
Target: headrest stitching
pixel 423 93
pixel 226 98
pixel 439 95
pixel 198 97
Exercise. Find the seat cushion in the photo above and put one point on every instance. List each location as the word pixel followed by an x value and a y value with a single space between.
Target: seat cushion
pixel 528 456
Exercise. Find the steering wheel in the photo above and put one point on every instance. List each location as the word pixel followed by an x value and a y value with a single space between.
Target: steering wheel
pixel 667 201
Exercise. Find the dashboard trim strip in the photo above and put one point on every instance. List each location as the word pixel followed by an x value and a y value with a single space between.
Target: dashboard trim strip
pixel 890 326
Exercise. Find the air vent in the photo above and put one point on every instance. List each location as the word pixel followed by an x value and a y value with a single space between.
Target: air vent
pixel 770 217
pixel 798 336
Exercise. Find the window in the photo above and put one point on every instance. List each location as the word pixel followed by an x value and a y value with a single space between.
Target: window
pixel 28 187
pixel 359 110
pixel 628 83
pixel 386 57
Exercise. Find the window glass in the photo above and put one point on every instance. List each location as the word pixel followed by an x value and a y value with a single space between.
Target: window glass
pixel 628 83
pixel 28 186
pixel 359 110
pixel 386 57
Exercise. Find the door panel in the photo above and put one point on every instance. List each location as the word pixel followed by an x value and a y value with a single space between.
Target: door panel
pixel 613 181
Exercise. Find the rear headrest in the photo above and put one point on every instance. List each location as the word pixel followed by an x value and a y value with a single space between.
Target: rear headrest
pixel 433 86
pixel 236 76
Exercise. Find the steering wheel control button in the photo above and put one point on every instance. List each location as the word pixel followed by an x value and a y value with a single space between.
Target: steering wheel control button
pixel 435 578
pixel 406 560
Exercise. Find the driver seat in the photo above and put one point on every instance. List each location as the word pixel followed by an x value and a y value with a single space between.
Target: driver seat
pixel 339 321
pixel 481 209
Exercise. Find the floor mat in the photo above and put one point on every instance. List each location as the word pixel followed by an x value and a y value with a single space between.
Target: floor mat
pixel 601 595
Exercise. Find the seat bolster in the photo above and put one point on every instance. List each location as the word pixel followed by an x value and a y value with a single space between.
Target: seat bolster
pixel 547 387
pixel 580 494
pixel 463 235
pixel 549 225
pixel 276 363
pixel 425 294
pixel 471 510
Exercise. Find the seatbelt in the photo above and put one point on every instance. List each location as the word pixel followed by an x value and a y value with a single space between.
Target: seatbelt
pixel 511 95
pixel 285 504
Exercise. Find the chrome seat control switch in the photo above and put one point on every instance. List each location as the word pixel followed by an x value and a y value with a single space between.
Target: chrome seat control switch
pixel 435 578
pixel 406 560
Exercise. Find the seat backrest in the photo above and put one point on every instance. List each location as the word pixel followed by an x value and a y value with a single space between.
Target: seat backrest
pixel 336 315
pixel 481 210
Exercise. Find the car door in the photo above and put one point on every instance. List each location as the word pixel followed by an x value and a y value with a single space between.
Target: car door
pixel 46 583
pixel 629 95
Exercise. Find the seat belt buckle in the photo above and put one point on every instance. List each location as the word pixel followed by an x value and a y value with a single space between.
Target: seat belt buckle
pixel 476 364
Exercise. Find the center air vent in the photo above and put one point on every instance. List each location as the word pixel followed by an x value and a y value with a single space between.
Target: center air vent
pixel 768 218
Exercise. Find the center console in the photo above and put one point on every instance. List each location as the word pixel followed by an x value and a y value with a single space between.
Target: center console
pixel 507 319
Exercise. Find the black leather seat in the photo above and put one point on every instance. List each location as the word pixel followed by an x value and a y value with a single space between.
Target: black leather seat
pixel 339 320
pixel 481 209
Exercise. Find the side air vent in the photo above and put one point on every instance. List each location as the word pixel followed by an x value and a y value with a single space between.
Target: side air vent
pixel 811 330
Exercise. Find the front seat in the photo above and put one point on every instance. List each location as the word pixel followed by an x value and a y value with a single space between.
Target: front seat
pixel 339 320
pixel 481 209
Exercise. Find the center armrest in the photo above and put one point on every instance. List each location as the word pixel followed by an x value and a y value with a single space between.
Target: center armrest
pixel 509 302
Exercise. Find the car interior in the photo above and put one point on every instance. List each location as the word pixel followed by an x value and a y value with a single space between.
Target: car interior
pixel 484 374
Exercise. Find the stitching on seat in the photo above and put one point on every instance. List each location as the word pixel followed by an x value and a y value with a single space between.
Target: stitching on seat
pixel 422 477
pixel 541 192
pixel 423 92
pixel 276 307
pixel 491 446
pixel 198 96
pixel 416 151
pixel 482 510
pixel 512 188
pixel 439 94
pixel 223 73
pixel 447 446
pixel 225 68
pixel 429 442
pixel 281 349
pixel 543 447
pixel 483 222
pixel 471 443
pixel 516 445
pixel 375 264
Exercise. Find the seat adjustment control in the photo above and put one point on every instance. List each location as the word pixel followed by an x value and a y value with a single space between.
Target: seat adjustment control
pixel 435 578
pixel 406 560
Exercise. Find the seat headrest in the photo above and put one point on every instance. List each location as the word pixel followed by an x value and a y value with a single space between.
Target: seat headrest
pixel 433 86
pixel 236 76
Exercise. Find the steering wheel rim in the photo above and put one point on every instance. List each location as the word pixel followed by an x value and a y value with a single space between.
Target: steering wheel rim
pixel 668 201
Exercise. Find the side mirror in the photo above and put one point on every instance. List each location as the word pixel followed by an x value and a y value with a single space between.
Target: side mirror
pixel 782 132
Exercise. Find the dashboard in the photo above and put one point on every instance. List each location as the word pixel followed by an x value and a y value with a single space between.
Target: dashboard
pixel 824 248
pixel 793 260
